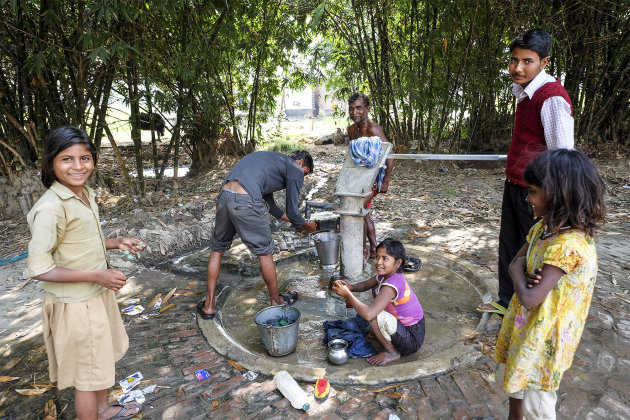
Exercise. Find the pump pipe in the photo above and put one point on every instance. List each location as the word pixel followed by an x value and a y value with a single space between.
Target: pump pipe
pixel 415 156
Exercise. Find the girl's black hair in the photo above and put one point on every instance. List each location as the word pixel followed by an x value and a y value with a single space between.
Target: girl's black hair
pixel 573 188
pixel 57 141
pixel 396 249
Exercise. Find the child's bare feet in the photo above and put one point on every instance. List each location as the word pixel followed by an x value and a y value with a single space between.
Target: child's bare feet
pixel 383 358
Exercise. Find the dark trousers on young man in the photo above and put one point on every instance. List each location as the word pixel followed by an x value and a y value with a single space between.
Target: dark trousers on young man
pixel 517 217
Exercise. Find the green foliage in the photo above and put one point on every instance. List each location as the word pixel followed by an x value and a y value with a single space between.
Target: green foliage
pixel 218 66
pixel 437 71
pixel 284 145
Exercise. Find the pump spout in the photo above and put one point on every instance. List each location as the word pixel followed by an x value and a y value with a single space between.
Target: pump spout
pixel 314 204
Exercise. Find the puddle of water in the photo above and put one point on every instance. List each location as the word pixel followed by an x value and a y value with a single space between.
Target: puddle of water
pixel 444 290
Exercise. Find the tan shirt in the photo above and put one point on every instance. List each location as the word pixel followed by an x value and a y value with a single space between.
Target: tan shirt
pixel 67 233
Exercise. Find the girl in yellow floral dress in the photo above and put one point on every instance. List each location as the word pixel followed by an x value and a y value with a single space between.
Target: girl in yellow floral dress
pixel 553 276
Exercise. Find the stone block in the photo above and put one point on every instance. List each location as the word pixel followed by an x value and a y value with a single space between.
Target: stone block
pixel 619 408
pixel 205 365
pixel 621 384
pixel 423 409
pixel 202 353
pixel 454 394
pixel 319 410
pixel 572 403
pixel 605 360
pixel 468 388
pixel 178 411
pixel 332 416
pixel 349 406
pixel 164 371
pixel 253 391
pixel 281 404
pixel 184 333
pixel 435 395
pixel 623 367
pixel 383 414
pixel 597 414
pixel 461 414
pixel 623 328
pixel 224 387
pixel 605 319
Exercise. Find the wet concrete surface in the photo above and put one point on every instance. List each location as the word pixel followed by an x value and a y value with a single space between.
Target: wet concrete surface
pixel 448 289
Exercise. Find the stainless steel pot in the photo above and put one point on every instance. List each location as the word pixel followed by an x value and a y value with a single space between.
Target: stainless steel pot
pixel 338 351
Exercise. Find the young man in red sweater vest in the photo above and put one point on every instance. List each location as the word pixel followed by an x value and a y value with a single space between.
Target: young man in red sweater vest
pixel 544 120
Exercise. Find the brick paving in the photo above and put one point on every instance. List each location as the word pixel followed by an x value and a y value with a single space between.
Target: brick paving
pixel 169 349
pixel 596 387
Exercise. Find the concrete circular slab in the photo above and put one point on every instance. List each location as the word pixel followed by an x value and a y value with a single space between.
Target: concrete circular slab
pixel 448 287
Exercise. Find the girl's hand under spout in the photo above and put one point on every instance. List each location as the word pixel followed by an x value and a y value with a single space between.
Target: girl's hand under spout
pixel 341 288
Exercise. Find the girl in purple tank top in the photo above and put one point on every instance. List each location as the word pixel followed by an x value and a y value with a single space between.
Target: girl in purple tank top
pixel 396 318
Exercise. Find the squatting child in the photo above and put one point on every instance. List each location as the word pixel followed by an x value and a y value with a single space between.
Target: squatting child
pixel 553 275
pixel 395 317
pixel 83 329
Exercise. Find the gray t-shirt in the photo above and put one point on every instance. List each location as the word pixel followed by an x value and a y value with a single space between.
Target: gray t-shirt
pixel 263 173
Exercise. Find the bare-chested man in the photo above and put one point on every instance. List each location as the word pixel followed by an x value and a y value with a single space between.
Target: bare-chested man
pixel 358 109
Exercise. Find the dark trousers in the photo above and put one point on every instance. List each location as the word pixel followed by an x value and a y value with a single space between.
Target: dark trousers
pixel 517 218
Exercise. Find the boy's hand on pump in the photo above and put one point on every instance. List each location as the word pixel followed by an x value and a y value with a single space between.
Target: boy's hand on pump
pixel 309 227
pixel 111 279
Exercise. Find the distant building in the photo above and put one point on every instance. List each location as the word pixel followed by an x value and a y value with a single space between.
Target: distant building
pixel 307 103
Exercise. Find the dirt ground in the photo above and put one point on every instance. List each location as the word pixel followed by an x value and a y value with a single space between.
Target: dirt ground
pixel 454 207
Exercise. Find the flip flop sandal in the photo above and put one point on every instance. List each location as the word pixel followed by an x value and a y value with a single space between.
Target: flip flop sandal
pixel 495 308
pixel 201 312
pixel 412 264
pixel 122 414
pixel 290 297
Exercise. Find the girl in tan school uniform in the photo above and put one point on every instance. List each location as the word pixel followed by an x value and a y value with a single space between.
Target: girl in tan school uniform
pixel 83 330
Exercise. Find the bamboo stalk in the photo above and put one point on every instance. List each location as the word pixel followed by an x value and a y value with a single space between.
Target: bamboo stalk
pixel 119 157
pixel 12 150
pixel 17 125
pixel 7 168
pixel 32 131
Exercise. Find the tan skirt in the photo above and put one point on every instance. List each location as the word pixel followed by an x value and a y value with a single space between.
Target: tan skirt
pixel 83 341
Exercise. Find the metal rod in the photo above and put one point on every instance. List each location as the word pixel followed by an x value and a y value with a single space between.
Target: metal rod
pixel 445 157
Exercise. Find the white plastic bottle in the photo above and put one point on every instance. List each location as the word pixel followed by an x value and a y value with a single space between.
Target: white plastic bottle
pixel 291 390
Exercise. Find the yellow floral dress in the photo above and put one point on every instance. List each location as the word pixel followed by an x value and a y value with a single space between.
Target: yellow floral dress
pixel 537 345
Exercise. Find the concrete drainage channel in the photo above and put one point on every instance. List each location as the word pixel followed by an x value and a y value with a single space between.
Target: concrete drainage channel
pixel 448 287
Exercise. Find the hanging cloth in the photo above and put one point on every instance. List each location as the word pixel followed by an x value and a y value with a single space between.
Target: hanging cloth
pixel 365 151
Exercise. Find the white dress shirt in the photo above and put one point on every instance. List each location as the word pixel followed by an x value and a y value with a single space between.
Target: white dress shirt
pixel 555 113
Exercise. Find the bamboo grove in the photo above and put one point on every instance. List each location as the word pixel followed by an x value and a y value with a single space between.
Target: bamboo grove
pixel 436 70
